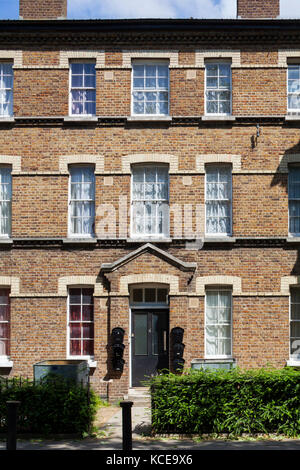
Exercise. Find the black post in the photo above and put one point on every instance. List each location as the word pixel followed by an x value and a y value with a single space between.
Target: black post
pixel 126 424
pixel 11 442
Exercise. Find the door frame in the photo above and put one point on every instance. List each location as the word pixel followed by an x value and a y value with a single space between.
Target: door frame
pixel 142 307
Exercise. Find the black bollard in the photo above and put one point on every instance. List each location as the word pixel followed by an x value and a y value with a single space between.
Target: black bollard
pixel 126 424
pixel 11 442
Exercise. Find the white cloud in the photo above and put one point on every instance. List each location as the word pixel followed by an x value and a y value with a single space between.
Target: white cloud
pixel 152 9
pixel 166 8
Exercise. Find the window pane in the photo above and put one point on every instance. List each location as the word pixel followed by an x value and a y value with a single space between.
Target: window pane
pixel 87 313
pixel 75 330
pixel 212 70
pixel 138 83
pixel 87 296
pixel 3 347
pixel 138 70
pixel 88 347
pixel 77 81
pixel 4 313
pixel 75 296
pixel 77 68
pixel 75 312
pixel 162 295
pixel 141 334
pixel 137 295
pixel 150 295
pixel 75 348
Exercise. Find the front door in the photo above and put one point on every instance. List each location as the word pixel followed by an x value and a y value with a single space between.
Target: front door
pixel 150 343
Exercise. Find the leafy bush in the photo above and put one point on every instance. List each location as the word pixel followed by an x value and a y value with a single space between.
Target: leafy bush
pixel 52 406
pixel 234 402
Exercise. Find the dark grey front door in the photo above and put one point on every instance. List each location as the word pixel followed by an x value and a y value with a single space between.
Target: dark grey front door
pixel 150 343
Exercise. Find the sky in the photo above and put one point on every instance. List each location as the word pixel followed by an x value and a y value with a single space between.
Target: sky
pixel 84 9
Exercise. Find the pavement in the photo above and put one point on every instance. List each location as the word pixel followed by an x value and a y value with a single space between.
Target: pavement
pixel 109 437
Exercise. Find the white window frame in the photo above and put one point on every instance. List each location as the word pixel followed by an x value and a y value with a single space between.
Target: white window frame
pixel 150 62
pixel 2 62
pixel 219 234
pixel 217 62
pixel 292 110
pixel 291 234
pixel 69 355
pixel 146 235
pixel 218 289
pixel 70 233
pixel 81 61
pixel 293 357
pixel 5 357
pixel 9 201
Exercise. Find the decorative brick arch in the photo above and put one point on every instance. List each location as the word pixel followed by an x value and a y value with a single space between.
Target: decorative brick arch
pixel 13 283
pixel 13 160
pixel 64 282
pixel 234 281
pixel 126 281
pixel 66 160
pixel 128 160
pixel 234 160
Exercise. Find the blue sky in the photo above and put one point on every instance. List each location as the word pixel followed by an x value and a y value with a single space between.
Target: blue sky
pixel 150 9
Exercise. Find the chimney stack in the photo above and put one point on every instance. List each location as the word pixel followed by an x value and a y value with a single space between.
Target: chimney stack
pixel 257 9
pixel 43 9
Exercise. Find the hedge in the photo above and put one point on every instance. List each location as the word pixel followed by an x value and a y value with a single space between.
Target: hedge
pixel 232 402
pixel 54 406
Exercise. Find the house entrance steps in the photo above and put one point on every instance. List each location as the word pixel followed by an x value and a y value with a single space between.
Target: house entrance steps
pixel 140 396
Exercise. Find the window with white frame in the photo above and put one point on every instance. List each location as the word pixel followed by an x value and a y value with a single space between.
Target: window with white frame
pixel 218 88
pixel 218 328
pixel 150 201
pixel 218 199
pixel 293 87
pixel 82 88
pixel 5 200
pixel 295 323
pixel 294 199
pixel 4 322
pixel 150 88
pixel 82 201
pixel 6 89
pixel 81 322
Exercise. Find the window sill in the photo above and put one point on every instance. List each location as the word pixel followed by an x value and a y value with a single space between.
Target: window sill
pixel 149 118
pixel 293 363
pixel 81 119
pixel 218 118
pixel 5 363
pixel 291 239
pixel 6 119
pixel 214 363
pixel 6 241
pixel 292 117
pixel 87 240
pixel 149 240
pixel 219 239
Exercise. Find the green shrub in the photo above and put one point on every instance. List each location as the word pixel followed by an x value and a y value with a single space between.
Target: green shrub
pixel 52 406
pixel 234 402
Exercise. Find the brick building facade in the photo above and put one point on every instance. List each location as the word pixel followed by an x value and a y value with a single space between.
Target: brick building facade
pixel 149 181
